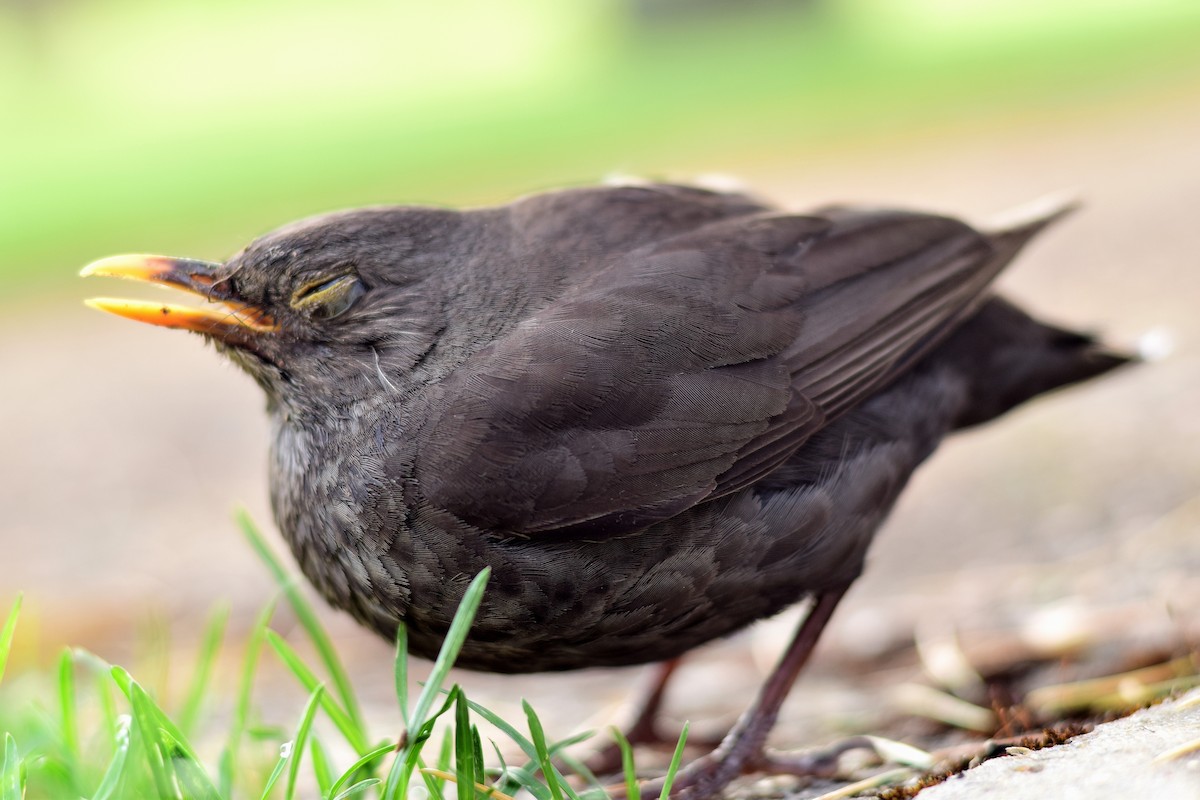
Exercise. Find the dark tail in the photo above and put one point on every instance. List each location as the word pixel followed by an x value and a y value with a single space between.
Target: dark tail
pixel 1010 357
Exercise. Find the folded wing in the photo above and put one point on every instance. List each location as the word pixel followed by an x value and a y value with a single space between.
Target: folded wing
pixel 690 367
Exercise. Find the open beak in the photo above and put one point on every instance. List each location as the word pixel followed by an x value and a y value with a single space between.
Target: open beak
pixel 224 318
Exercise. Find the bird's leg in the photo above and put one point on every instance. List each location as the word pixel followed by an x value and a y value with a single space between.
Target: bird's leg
pixel 742 750
pixel 644 729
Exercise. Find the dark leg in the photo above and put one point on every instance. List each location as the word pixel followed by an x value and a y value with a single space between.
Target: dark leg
pixel 644 729
pixel 742 750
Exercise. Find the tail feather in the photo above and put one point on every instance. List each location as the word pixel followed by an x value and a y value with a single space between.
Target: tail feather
pixel 1009 357
pixel 1020 224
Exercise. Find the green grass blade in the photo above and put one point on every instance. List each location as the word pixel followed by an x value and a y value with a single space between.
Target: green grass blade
pixel 520 739
pixel 401 669
pixel 676 760
pixel 276 771
pixel 512 779
pixel 321 769
pixel 227 766
pixel 508 783
pixel 68 724
pixel 301 740
pixel 506 728
pixel 575 764
pixel 538 737
pixel 445 755
pixel 499 756
pixel 464 748
pixel 160 768
pixel 210 646
pixel 342 720
pixel 363 763
pixel 12 773
pixel 307 617
pixel 459 627
pixel 111 781
pixel 524 778
pixel 480 769
pixel 171 758
pixel 179 745
pixel 189 772
pixel 6 633
pixel 556 748
pixel 409 756
pixel 632 790
pixel 433 784
pixel 406 760
pixel 361 786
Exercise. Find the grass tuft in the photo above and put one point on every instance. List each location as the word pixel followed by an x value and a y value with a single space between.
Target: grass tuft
pixel 305 614
pixel 108 736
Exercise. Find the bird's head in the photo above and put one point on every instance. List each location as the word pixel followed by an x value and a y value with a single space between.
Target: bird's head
pixel 314 310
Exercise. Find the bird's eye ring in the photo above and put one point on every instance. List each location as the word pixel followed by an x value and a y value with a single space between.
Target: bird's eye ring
pixel 328 297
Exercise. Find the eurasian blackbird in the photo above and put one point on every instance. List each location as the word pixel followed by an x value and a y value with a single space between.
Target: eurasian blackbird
pixel 658 413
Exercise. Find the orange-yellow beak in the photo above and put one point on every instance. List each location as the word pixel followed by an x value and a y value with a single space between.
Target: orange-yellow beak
pixel 226 317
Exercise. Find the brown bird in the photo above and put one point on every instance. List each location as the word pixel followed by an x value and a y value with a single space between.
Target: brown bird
pixel 658 413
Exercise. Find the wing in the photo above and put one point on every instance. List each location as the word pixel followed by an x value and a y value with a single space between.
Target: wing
pixel 617 219
pixel 692 366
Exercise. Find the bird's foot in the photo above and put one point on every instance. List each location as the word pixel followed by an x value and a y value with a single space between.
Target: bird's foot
pixel 743 750
pixel 708 775
pixel 645 729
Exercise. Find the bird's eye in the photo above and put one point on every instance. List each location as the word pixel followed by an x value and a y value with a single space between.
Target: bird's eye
pixel 326 299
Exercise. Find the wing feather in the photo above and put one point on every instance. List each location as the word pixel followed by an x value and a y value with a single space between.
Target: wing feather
pixel 697 362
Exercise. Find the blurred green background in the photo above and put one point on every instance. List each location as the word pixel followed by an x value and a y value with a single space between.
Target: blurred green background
pixel 193 126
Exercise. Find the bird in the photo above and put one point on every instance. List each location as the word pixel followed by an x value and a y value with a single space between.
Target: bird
pixel 657 413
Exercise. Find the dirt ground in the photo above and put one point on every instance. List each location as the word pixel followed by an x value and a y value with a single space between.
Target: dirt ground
pixel 125 449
